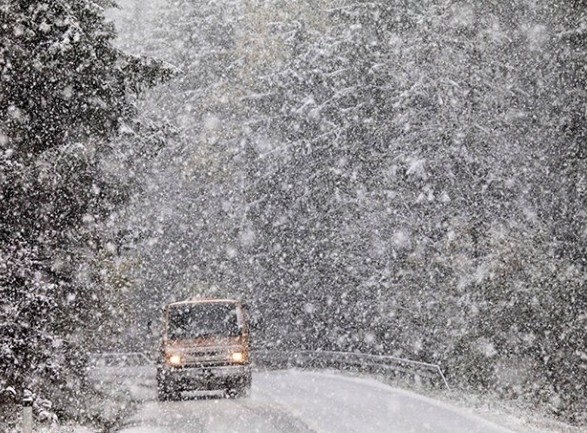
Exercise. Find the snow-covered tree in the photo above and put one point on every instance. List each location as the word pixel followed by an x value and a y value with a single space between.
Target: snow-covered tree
pixel 65 92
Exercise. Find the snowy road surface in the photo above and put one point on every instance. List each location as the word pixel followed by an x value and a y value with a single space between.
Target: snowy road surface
pixel 309 402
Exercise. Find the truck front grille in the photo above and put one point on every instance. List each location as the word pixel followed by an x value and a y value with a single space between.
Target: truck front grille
pixel 207 357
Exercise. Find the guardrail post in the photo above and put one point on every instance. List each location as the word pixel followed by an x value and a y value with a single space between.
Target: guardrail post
pixel 27 414
pixel 443 378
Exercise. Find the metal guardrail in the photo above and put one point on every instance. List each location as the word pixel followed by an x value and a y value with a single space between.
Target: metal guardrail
pixel 118 359
pixel 379 364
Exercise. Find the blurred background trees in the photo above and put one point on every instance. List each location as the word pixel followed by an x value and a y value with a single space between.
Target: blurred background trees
pixel 404 178
pixel 401 178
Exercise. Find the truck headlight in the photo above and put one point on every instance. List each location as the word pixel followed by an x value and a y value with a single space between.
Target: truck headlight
pixel 238 357
pixel 175 360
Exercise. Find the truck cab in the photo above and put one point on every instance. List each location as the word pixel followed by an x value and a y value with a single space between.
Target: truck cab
pixel 204 346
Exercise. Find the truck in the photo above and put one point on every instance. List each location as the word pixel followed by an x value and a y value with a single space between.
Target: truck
pixel 204 346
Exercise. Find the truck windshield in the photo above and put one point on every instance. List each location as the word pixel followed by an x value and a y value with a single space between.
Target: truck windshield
pixel 202 320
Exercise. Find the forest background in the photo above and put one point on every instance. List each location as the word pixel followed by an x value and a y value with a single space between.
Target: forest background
pixel 405 177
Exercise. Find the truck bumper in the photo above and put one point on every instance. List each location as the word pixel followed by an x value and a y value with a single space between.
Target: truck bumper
pixel 204 378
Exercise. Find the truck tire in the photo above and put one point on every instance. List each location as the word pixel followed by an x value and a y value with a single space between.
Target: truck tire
pixel 165 391
pixel 240 388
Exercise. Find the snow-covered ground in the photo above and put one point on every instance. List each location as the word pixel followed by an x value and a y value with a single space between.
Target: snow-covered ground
pixel 300 401
pixel 296 401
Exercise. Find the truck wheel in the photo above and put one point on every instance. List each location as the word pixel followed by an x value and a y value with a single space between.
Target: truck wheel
pixel 240 388
pixel 165 391
pixel 246 388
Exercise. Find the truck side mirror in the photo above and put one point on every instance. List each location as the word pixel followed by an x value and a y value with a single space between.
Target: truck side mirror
pixel 154 329
pixel 254 322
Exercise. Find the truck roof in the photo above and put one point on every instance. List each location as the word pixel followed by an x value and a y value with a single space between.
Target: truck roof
pixel 196 300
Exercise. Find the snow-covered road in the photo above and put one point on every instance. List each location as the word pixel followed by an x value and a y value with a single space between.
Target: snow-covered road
pixel 306 402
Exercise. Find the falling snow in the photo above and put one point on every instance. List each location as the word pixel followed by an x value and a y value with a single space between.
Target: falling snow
pixel 389 179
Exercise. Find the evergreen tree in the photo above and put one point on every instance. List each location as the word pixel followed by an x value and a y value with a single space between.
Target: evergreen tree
pixel 65 92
